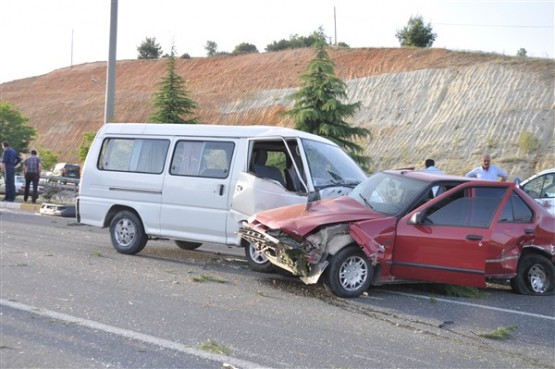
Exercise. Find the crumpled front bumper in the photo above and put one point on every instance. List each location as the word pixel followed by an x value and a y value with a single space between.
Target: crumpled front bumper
pixel 297 257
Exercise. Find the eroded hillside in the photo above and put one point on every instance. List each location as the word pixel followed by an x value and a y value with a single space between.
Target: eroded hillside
pixel 418 103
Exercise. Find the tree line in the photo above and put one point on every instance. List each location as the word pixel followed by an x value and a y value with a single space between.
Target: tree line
pixel 415 34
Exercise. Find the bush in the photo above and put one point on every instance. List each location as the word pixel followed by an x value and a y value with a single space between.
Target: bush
pixel 528 143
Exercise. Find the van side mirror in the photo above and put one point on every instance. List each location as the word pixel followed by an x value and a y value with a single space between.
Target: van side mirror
pixel 310 198
pixel 313 196
pixel 416 218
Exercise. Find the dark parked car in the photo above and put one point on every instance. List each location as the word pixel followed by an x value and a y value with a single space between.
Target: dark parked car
pixel 406 225
pixel 66 170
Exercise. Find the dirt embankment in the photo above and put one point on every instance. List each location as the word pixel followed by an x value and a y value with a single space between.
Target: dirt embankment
pixel 418 103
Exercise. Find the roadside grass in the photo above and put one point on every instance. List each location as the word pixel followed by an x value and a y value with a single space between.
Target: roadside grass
pixel 214 347
pixel 460 291
pixel 208 278
pixel 96 253
pixel 452 291
pixel 501 333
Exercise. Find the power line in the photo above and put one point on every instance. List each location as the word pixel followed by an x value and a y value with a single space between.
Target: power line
pixel 489 25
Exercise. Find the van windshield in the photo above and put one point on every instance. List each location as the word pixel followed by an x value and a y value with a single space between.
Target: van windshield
pixel 330 166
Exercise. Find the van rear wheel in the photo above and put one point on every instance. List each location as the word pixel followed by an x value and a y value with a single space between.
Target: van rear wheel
pixel 187 245
pixel 127 233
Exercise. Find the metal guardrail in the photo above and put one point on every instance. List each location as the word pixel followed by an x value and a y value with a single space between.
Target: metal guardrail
pixel 65 183
pixel 61 190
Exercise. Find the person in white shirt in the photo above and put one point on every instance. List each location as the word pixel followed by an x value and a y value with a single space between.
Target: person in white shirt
pixel 487 171
pixel 430 167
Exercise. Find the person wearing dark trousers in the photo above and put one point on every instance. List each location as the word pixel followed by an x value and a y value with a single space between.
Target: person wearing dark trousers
pixel 10 160
pixel 32 168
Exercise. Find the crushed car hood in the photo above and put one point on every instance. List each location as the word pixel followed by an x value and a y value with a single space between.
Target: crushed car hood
pixel 297 221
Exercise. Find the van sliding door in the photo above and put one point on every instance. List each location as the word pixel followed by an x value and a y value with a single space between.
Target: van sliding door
pixel 196 191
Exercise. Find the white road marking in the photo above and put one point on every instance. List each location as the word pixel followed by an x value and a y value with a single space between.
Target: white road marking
pixel 475 305
pixel 133 335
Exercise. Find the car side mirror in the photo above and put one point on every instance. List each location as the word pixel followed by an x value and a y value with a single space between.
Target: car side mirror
pixel 416 218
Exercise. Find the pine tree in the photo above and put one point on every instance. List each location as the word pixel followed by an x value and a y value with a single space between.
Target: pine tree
pixel 319 108
pixel 172 102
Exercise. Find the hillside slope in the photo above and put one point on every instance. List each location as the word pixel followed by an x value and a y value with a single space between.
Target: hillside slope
pixel 418 103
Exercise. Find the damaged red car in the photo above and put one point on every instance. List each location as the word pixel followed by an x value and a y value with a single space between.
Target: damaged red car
pixel 402 225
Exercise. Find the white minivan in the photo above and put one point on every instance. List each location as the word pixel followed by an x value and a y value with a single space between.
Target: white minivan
pixel 541 187
pixel 195 183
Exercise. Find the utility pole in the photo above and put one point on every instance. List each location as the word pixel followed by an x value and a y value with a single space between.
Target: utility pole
pixel 71 60
pixel 111 72
pixel 335 25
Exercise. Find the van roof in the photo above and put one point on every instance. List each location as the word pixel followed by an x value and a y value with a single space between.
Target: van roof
pixel 206 130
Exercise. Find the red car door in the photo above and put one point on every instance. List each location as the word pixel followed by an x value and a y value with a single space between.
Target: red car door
pixel 448 240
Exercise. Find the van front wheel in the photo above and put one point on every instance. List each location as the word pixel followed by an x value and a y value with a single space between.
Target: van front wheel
pixel 257 260
pixel 127 233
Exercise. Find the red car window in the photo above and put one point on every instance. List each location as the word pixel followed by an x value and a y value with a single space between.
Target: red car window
pixel 516 211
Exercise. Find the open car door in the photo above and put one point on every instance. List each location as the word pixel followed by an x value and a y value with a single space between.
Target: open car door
pixel 271 179
pixel 447 241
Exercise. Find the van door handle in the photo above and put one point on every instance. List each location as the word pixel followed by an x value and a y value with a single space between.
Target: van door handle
pixel 528 230
pixel 221 189
pixel 476 237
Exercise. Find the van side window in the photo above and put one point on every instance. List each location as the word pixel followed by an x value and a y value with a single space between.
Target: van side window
pixel 210 159
pixel 133 155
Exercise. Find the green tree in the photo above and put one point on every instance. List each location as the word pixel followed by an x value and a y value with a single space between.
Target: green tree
pixel 13 127
pixel 244 48
pixel 296 41
pixel 211 48
pixel 172 103
pixel 521 52
pixel 318 106
pixel 88 138
pixel 149 49
pixel 416 33
pixel 47 157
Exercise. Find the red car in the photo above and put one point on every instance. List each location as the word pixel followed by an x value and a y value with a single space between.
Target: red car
pixel 404 225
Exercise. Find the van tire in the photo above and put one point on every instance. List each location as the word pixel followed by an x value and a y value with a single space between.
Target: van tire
pixel 257 261
pixel 187 245
pixel 127 233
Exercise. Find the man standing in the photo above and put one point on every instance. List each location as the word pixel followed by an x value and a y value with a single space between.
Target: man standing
pixel 32 168
pixel 487 171
pixel 10 160
pixel 430 167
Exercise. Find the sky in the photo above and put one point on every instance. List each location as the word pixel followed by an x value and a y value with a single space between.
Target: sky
pixel 40 36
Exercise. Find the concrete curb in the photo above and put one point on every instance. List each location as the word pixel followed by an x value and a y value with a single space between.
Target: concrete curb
pixel 30 207
pixel 35 208
pixel 11 205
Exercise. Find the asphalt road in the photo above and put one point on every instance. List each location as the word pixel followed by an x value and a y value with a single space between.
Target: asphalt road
pixel 69 300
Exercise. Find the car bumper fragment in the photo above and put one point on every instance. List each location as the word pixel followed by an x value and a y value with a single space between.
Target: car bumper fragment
pixel 297 257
